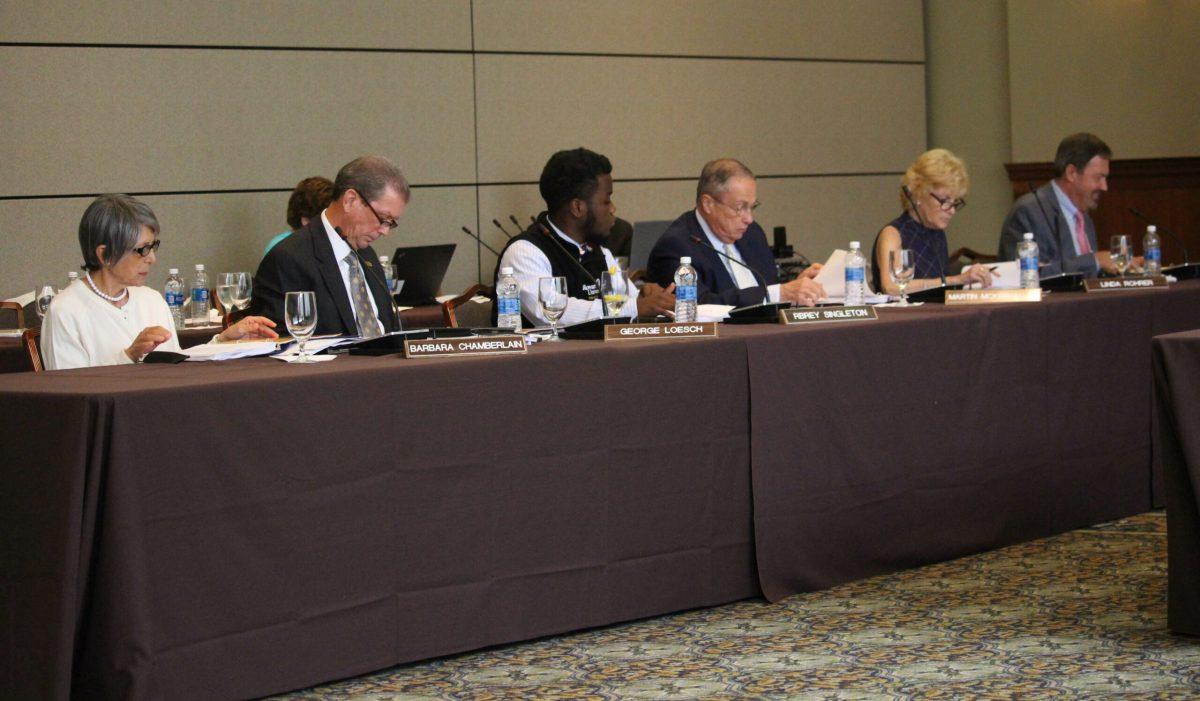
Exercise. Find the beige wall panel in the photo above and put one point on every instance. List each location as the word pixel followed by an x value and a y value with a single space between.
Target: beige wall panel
pixel 146 120
pixel 225 232
pixel 821 214
pixel 969 47
pixel 666 117
pixel 1127 71
pixel 409 24
pixel 844 29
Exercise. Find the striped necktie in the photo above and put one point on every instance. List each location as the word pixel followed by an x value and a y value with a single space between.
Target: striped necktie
pixel 368 323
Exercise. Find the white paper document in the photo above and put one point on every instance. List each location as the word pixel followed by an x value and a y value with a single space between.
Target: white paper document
pixel 713 312
pixel 229 351
pixel 1009 276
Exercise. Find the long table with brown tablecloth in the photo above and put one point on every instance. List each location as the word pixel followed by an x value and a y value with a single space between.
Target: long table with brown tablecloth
pixel 226 530
pixel 1177 455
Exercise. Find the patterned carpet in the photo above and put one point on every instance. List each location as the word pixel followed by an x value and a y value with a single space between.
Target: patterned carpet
pixel 1080 615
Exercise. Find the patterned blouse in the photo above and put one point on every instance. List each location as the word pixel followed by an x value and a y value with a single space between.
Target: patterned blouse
pixel 930 249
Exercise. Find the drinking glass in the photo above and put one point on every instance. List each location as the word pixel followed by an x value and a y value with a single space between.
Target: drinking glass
pixel 552 293
pixel 233 289
pixel 903 265
pixel 1119 252
pixel 614 290
pixel 300 315
pixel 45 295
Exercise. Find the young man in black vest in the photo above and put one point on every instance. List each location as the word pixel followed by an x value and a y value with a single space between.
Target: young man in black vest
pixel 567 240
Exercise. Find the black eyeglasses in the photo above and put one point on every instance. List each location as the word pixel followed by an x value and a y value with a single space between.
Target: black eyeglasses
pixel 742 208
pixel 947 204
pixel 389 223
pixel 149 248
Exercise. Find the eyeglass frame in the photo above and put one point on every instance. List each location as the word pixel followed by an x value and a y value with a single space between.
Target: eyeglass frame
pixel 742 209
pixel 147 249
pixel 391 224
pixel 948 204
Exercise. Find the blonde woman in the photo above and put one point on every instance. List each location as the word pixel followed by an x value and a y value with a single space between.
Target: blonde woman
pixel 931 193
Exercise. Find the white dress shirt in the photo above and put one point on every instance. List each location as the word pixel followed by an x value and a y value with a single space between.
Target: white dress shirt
pixel 340 250
pixel 743 279
pixel 82 330
pixel 529 264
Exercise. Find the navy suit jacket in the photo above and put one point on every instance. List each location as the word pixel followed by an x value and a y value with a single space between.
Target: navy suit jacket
pixel 304 261
pixel 1038 212
pixel 714 285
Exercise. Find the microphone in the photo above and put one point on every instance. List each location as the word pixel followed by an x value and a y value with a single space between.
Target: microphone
pixel 516 223
pixel 1062 264
pixel 470 233
pixel 757 278
pixel 501 228
pixel 366 265
pixel 573 256
pixel 917 211
pixel 1165 230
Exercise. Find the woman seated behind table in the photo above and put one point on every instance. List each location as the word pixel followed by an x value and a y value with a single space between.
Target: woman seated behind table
pixel 931 192
pixel 108 317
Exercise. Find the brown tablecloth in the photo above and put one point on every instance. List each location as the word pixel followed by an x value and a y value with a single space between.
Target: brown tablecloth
pixel 935 432
pixel 1177 454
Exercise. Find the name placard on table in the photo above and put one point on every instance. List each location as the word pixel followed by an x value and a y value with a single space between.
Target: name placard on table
pixel 480 345
pixel 1149 282
pixel 637 332
pixel 1025 294
pixel 824 315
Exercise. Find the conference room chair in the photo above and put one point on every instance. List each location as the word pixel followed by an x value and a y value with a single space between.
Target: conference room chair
pixel 18 312
pixel 32 340
pixel 464 311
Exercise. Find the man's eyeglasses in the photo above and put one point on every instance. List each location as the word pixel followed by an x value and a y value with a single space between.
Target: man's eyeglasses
pixel 149 248
pixel 948 204
pixel 742 209
pixel 389 223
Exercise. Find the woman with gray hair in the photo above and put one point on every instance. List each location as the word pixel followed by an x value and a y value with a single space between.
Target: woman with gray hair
pixel 109 317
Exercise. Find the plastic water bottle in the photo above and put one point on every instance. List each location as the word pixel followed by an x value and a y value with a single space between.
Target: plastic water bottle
pixel 199 292
pixel 389 273
pixel 72 277
pixel 1027 253
pixel 173 292
pixel 1152 251
pixel 508 300
pixel 856 275
pixel 685 290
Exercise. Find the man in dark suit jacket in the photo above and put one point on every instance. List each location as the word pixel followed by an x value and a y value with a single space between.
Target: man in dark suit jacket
pixel 1057 213
pixel 332 255
pixel 723 219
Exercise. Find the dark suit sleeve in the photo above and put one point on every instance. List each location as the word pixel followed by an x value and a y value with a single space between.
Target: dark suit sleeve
pixel 267 296
pixel 1016 224
pixel 664 260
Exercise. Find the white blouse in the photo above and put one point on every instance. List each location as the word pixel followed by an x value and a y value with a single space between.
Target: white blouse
pixel 82 330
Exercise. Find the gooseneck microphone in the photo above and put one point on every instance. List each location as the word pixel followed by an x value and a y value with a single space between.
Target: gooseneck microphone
pixel 1165 230
pixel 501 228
pixel 470 233
pixel 573 256
pixel 1052 226
pixel 516 223
pixel 757 278
pixel 366 265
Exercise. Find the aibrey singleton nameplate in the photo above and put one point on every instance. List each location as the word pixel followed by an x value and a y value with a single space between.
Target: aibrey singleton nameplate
pixel 475 345
pixel 823 315
pixel 636 332
pixel 1108 284
pixel 1026 294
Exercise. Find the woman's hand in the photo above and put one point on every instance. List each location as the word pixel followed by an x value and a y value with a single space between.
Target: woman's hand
pixel 150 338
pixel 250 327
pixel 978 275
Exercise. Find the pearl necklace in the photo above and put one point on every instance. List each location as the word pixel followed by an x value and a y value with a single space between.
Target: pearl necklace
pixel 87 275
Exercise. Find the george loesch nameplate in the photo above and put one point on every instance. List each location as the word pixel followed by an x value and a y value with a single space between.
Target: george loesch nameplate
pixel 635 332
pixel 1108 284
pixel 821 315
pixel 1025 294
pixel 477 345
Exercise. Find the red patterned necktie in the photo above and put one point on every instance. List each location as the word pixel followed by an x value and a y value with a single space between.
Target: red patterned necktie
pixel 1081 234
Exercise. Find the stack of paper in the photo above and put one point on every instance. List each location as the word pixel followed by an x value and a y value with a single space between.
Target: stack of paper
pixel 833 278
pixel 229 351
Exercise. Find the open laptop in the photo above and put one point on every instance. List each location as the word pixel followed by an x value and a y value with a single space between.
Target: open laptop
pixel 422 268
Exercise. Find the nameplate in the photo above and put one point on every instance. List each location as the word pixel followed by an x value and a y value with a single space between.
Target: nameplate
pixel 1107 284
pixel 1025 294
pixel 824 315
pixel 637 332
pixel 481 345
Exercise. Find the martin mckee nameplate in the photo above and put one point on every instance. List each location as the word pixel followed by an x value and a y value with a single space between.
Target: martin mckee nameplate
pixel 636 332
pixel 989 296
pixel 476 345
pixel 822 315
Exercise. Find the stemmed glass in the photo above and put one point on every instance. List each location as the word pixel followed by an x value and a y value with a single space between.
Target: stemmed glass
pixel 552 293
pixel 233 289
pixel 1119 252
pixel 45 295
pixel 300 315
pixel 614 290
pixel 903 265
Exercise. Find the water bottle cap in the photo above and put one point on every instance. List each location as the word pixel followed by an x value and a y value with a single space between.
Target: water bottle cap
pixel 1151 229
pixel 199 267
pixel 854 245
pixel 1028 236
pixel 383 260
pixel 172 271
pixel 506 270
pixel 685 260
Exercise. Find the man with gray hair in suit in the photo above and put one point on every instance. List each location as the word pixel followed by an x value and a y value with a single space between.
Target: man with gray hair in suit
pixel 1057 213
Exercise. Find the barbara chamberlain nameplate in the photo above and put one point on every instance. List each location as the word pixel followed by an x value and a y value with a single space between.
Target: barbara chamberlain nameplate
pixel 1108 284
pixel 822 315
pixel 636 332
pixel 989 296
pixel 475 345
